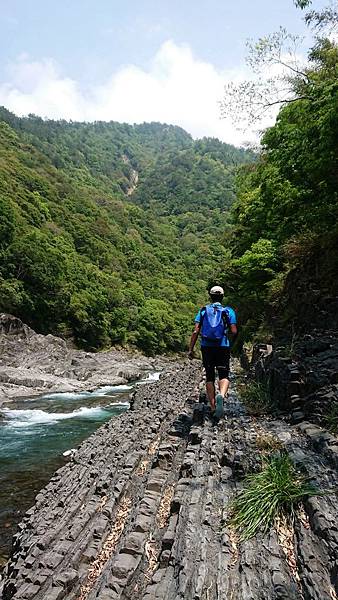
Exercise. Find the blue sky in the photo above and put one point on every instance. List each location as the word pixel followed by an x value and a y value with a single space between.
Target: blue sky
pixel 132 60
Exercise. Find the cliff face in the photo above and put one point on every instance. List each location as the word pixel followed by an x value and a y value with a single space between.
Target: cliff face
pixel 302 379
pixel 302 370
pixel 142 510
pixel 309 299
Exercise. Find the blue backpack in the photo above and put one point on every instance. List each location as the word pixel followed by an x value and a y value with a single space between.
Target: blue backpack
pixel 214 323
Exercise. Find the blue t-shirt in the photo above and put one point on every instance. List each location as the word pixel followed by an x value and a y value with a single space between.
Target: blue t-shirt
pixel 232 320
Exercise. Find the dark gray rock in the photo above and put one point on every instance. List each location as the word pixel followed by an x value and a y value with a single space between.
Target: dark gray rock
pixel 307 383
pixel 145 508
pixel 124 565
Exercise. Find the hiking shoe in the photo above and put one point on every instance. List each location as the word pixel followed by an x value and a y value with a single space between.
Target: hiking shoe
pixel 219 412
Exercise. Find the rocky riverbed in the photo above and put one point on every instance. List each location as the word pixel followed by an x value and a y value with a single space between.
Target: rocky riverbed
pixel 33 364
pixel 141 511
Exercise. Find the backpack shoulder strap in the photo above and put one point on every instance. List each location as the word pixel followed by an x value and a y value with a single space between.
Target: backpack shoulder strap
pixel 202 315
pixel 225 318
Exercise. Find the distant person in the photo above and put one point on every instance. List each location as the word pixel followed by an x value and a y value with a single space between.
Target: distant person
pixel 215 323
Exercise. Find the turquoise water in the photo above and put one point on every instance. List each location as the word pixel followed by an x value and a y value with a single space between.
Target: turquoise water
pixel 35 432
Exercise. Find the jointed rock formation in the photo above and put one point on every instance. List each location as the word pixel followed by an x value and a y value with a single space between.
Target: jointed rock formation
pixel 141 511
pixel 305 383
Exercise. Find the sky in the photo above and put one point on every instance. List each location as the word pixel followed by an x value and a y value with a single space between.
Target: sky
pixel 134 60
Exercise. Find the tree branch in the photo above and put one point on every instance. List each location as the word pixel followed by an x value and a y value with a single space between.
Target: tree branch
pixel 288 100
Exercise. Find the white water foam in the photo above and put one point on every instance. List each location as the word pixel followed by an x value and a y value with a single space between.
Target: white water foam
pixel 63 396
pixel 155 376
pixel 106 389
pixel 26 418
pixel 118 404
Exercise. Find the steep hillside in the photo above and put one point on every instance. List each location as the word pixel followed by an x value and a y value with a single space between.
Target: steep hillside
pixel 284 221
pixel 107 152
pixel 106 228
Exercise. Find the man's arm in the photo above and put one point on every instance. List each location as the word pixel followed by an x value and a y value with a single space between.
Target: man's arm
pixel 233 333
pixel 193 340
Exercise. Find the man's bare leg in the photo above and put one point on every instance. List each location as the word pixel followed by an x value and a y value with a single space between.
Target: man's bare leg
pixel 211 394
pixel 223 386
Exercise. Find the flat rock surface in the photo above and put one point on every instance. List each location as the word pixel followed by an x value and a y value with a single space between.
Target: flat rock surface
pixel 32 364
pixel 141 511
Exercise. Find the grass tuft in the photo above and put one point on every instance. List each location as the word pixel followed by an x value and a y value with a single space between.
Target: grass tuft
pixel 256 397
pixel 331 418
pixel 275 491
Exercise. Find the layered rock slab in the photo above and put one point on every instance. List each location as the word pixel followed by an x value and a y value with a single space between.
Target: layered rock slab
pixel 142 511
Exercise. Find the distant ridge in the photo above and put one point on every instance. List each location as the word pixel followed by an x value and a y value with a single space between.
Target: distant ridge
pixel 106 227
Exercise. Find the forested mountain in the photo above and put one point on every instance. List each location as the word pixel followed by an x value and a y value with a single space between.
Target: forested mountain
pixel 110 233
pixel 284 234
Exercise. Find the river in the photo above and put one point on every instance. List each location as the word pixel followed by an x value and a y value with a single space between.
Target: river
pixel 34 434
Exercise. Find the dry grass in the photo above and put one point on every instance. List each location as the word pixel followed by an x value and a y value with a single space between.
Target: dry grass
pixel 233 540
pixel 164 508
pixel 268 442
pixel 102 503
pixel 285 535
pixel 152 550
pixel 108 547
pixel 145 462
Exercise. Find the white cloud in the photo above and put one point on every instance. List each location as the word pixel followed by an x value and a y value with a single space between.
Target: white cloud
pixel 38 87
pixel 177 88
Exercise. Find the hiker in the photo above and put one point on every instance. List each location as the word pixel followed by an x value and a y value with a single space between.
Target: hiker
pixel 216 324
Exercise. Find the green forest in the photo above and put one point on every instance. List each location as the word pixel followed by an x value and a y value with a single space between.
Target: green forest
pixel 109 233
pixel 284 233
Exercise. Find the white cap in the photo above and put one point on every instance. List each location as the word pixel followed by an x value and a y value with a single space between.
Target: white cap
pixel 217 289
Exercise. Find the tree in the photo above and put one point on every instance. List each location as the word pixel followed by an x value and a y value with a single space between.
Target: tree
pixel 287 203
pixel 250 101
pixel 325 18
pixel 302 3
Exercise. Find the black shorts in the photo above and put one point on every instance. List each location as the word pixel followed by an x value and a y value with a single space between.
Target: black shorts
pixel 216 358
